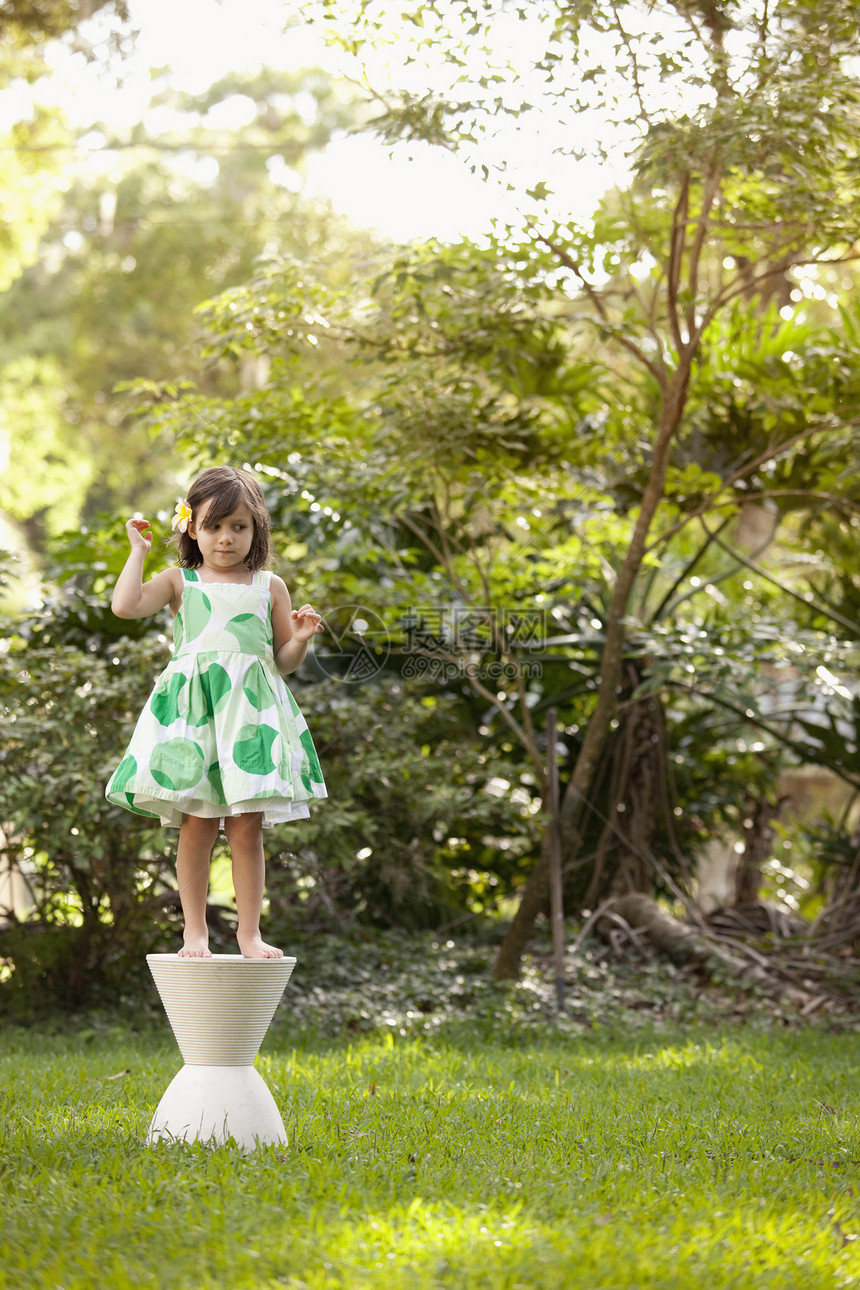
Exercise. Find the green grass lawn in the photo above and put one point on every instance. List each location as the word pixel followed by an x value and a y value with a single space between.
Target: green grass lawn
pixel 687 1157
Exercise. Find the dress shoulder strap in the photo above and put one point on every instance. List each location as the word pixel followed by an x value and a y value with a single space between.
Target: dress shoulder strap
pixel 190 575
pixel 263 578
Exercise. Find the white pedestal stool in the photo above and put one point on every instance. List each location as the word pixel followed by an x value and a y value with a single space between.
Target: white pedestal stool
pixel 219 1010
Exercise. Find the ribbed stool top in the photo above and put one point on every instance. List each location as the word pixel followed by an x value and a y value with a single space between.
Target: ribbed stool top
pixel 219 1008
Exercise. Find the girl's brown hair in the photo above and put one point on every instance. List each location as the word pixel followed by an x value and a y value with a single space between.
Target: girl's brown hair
pixel 227 488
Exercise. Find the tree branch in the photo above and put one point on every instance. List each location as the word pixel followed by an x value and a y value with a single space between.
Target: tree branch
pixel 800 749
pixel 634 63
pixel 827 611
pixel 739 287
pixel 709 193
pixel 676 257
pixel 685 572
pixel 599 304
pixel 711 503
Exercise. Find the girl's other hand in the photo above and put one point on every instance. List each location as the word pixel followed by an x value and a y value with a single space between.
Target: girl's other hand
pixel 306 622
pixel 139 535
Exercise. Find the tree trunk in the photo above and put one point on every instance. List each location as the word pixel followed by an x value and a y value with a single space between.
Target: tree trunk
pixel 758 847
pixel 634 805
pixel 536 891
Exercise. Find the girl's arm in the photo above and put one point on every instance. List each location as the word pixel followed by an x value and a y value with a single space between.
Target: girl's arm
pixel 132 598
pixel 291 628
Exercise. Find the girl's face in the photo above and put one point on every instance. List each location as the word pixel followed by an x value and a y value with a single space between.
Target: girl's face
pixel 225 546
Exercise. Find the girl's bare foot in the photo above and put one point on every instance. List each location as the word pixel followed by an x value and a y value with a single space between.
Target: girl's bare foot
pixel 254 947
pixel 195 947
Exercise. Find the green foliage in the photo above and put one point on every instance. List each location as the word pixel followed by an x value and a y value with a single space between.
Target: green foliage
pixel 687 283
pixel 692 75
pixel 462 481
pixel 31 194
pixel 48 472
pixel 30 22
pixel 94 880
pixel 34 137
pixel 573 422
pixel 422 826
pixel 116 267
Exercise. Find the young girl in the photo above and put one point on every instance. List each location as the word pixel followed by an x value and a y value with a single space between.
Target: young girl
pixel 221 739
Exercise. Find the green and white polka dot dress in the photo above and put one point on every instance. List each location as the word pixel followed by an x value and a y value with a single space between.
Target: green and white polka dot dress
pixel 220 734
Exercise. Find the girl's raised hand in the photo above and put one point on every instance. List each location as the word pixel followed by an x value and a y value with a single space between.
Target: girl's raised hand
pixel 306 623
pixel 139 535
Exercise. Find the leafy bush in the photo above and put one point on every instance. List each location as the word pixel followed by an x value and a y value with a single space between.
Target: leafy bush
pixel 96 875
pixel 422 825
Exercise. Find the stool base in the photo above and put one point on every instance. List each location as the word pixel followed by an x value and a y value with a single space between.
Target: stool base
pixel 217 1104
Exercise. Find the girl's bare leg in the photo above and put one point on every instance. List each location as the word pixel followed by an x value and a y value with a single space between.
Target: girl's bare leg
pixel 196 839
pixel 245 835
